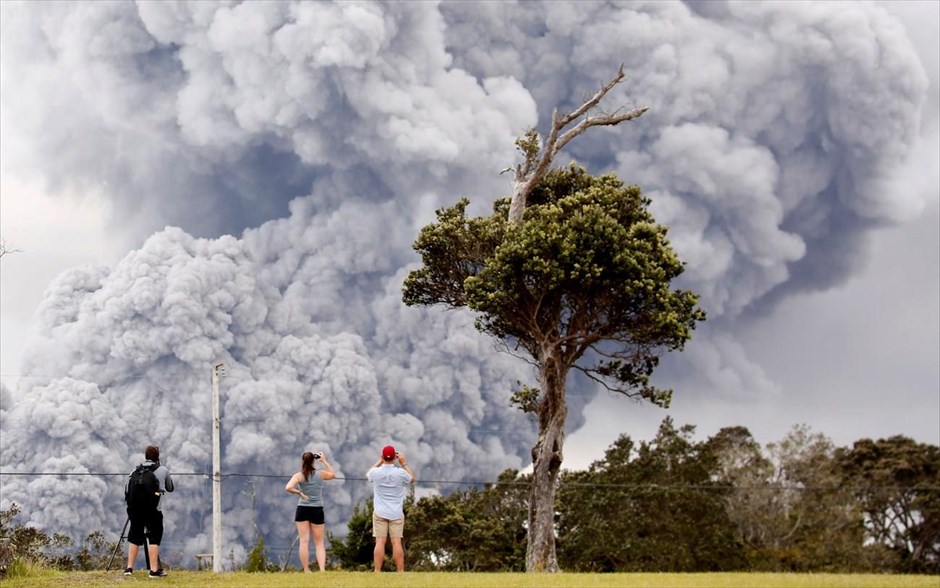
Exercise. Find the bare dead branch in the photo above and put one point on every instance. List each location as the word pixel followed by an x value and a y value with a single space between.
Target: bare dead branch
pixel 595 99
pixel 617 390
pixel 5 249
pixel 597 121
pixel 531 171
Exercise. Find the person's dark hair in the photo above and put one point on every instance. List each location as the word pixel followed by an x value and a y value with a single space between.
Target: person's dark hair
pixel 307 465
pixel 152 453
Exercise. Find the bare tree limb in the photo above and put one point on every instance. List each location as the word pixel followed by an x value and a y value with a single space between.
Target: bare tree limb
pixel 537 160
pixel 4 248
pixel 614 389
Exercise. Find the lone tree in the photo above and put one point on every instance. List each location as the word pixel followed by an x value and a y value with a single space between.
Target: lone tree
pixel 580 280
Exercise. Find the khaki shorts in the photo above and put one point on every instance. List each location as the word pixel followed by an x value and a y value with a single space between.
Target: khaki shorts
pixel 382 527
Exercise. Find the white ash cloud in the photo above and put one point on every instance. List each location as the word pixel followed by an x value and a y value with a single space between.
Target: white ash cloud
pixel 137 343
pixel 772 145
pixel 323 135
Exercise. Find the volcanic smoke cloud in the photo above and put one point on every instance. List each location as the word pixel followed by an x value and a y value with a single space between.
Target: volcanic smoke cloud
pixel 324 136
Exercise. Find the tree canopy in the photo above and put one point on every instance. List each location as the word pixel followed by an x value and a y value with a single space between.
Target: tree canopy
pixel 588 271
pixel 648 507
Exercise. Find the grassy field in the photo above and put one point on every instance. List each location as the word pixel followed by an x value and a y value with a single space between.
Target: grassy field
pixel 448 580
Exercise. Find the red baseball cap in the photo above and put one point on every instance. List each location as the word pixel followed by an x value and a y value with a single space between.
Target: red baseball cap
pixel 388 452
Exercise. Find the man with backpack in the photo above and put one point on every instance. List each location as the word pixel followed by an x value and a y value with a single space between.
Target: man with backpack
pixel 147 483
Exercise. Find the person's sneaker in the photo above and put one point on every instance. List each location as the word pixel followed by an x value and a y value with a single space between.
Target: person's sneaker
pixel 128 571
pixel 157 574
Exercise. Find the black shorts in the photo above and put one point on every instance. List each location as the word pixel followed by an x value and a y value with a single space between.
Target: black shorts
pixel 147 522
pixel 309 514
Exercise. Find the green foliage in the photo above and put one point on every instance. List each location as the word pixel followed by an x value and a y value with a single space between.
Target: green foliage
pixel 258 559
pixel 738 463
pixel 652 508
pixel 479 530
pixel 819 525
pixel 476 529
pixel 25 568
pixel 529 145
pixel 674 504
pixel 897 482
pixel 671 504
pixel 587 271
pixel 354 552
pixel 95 552
pixel 526 398
pixel 791 506
pixel 28 548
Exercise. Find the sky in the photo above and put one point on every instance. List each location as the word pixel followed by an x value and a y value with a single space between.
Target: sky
pixel 189 183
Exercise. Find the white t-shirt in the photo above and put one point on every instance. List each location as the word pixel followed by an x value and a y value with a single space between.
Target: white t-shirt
pixel 388 485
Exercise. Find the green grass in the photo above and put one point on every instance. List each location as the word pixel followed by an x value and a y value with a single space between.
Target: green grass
pixel 447 580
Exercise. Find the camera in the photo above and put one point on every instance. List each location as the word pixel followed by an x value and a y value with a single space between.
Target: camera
pixel 317 456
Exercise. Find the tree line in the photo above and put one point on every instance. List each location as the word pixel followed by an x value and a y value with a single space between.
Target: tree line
pixel 674 504
pixel 671 504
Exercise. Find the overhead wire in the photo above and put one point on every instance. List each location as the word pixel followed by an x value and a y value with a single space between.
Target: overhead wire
pixel 524 483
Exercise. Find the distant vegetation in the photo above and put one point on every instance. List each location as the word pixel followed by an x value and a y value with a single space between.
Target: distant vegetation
pixel 668 505
pixel 676 505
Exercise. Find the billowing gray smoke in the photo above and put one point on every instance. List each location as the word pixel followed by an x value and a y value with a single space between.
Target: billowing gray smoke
pixel 773 134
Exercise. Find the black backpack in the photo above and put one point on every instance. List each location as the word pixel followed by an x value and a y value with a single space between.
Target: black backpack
pixel 143 488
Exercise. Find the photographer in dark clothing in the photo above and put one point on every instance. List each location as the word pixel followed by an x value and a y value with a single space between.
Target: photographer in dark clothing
pixel 147 523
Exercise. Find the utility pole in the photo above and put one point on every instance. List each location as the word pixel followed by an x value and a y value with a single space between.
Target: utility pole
pixel 218 370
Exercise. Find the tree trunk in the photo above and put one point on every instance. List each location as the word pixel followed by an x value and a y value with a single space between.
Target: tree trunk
pixel 546 459
pixel 520 191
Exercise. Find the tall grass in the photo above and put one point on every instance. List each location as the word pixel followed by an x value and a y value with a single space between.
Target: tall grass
pixel 340 579
pixel 25 569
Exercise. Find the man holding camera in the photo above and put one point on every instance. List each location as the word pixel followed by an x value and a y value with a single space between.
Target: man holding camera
pixel 388 498
pixel 146 521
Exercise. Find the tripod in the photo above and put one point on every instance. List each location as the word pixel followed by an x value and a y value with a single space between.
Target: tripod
pixel 146 546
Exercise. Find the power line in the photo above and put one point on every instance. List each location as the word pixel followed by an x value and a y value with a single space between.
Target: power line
pixel 161 376
pixel 422 482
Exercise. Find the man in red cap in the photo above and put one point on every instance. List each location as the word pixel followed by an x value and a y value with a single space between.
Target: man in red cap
pixel 388 497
